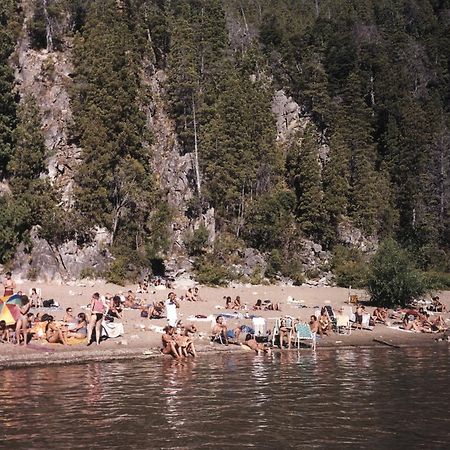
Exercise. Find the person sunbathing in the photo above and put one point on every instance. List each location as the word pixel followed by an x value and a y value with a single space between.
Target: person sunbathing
pixel 114 309
pixel 258 305
pixel 380 314
pixel 68 316
pixel 196 294
pixel 325 323
pixel 228 303
pixel 131 302
pixel 285 331
pixel 154 311
pixel 220 330
pixel 35 298
pixel 272 306
pixel 79 331
pixel 169 346
pixel 184 340
pixel 258 347
pixel 189 295
pixel 53 333
pixel 237 303
pixel 315 326
pixel 437 305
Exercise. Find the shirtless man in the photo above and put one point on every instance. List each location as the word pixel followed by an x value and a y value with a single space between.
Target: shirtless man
pixel 184 340
pixel 169 343
pixel 257 346
pixel 220 330
pixel 315 326
pixel 8 284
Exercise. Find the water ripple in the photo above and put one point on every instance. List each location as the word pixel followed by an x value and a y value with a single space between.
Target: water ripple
pixel 368 398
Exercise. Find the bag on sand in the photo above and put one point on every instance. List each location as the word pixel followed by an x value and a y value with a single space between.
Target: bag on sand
pixel 48 303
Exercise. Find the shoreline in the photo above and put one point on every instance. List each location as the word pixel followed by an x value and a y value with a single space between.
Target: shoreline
pixel 71 357
pixel 141 334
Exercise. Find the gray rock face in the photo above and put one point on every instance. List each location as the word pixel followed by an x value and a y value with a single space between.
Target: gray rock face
pixel 46 75
pixel 49 264
pixel 349 235
pixel 288 118
pixel 172 168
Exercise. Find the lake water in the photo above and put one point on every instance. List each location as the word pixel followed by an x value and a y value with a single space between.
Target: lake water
pixel 359 399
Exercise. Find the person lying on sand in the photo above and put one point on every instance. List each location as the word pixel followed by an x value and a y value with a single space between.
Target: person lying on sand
pixel 154 311
pixel 169 346
pixel 259 348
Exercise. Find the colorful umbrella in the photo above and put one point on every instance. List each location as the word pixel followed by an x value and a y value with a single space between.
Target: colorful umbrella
pixel 9 313
pixel 15 298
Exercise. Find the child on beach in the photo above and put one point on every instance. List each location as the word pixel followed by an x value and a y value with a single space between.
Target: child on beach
pixel 4 332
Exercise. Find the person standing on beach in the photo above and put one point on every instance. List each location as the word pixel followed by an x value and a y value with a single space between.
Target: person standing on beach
pixel 171 305
pixel 8 284
pixel 95 321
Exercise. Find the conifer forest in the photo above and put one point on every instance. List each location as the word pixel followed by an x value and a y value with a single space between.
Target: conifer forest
pixel 198 135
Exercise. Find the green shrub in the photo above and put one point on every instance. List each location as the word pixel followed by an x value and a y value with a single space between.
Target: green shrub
pixel 438 280
pixel 33 273
pixel 394 279
pixel 210 271
pixel 196 241
pixel 349 267
pixel 89 273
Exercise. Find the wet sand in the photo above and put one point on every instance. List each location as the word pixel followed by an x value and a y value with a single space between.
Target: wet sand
pixel 140 336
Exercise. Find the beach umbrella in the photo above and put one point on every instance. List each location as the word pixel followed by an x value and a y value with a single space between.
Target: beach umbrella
pixel 9 313
pixel 15 299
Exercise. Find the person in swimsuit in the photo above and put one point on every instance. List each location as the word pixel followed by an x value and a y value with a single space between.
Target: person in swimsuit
pixel 8 284
pixel 168 343
pixel 68 316
pixel 95 321
pixel 80 330
pixel 53 333
pixel 36 300
pixel 251 342
pixel 22 321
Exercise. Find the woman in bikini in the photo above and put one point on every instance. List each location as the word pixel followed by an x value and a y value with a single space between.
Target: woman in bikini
pixel 53 333
pixel 22 321
pixel 95 321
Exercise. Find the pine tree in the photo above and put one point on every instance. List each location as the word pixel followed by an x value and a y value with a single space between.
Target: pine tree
pixel 303 169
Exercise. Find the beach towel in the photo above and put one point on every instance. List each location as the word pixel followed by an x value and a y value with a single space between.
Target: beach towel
pixel 112 329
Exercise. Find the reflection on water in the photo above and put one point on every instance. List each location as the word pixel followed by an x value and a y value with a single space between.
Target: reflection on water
pixel 362 398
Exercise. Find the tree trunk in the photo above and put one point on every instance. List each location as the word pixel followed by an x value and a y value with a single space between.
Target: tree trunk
pixel 48 27
pixel 197 168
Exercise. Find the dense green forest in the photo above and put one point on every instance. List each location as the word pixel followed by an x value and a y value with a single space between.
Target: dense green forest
pixel 371 78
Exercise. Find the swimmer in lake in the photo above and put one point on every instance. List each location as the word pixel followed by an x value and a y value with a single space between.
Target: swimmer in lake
pixel 259 348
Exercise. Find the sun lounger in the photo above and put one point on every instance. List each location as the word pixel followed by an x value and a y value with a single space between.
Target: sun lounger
pixel 302 333
pixel 343 325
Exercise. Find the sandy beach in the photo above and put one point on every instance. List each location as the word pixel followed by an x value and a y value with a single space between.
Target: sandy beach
pixel 143 335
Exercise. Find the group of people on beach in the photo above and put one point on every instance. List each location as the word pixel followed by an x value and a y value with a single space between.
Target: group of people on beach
pixel 178 339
